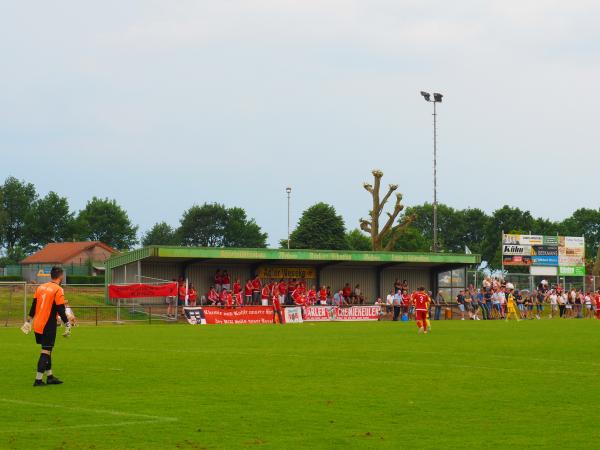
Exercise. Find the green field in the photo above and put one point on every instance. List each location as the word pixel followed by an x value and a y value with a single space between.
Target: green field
pixel 329 385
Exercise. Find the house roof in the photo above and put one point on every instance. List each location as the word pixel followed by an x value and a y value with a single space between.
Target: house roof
pixel 60 252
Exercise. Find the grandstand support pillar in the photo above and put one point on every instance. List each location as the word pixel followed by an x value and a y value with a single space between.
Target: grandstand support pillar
pixel 378 282
pixel 318 277
pixel 139 270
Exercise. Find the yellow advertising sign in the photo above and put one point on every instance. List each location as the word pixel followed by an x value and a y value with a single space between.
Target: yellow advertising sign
pixel 274 272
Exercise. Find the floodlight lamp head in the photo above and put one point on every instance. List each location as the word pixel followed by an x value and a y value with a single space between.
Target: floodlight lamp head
pixel 426 95
pixel 288 190
pixel 437 97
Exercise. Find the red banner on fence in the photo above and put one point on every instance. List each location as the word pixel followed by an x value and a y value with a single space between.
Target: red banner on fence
pixel 243 315
pixel 329 313
pixel 142 290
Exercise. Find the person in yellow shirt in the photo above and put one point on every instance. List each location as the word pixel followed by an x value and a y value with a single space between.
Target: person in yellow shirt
pixel 511 304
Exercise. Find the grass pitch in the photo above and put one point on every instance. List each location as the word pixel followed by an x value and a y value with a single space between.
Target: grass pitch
pixel 327 385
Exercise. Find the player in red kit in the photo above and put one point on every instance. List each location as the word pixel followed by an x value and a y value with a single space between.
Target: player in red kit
pixel 421 301
pixel 277 309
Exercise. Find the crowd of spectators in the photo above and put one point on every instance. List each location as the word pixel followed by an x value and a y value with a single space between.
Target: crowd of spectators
pixel 289 292
pixel 490 302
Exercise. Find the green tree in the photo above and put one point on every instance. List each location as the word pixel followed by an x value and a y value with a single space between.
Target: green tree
pixel 104 220
pixel 357 240
pixel 203 226
pixel 242 232
pixel 214 225
pixel 17 198
pixel 160 234
pixel 13 256
pixel 3 218
pixel 545 227
pixel 319 227
pixel 412 240
pixel 596 268
pixel 48 220
pixel 584 222
pixel 456 228
pixel 509 220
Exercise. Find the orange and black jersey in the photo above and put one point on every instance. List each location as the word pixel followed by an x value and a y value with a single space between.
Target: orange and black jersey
pixel 48 301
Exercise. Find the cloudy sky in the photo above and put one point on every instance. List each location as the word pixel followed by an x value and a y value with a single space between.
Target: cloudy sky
pixel 163 104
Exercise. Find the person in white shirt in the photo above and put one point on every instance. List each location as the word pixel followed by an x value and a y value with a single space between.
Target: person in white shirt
pixel 502 300
pixel 553 304
pixel 389 302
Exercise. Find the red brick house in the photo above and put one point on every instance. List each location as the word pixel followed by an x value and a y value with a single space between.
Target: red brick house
pixel 76 257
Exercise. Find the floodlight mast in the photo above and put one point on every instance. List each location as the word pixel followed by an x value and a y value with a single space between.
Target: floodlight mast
pixel 437 98
pixel 288 191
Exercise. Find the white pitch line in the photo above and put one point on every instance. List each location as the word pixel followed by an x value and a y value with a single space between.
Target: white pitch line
pixel 147 419
pixel 346 359
pixel 84 426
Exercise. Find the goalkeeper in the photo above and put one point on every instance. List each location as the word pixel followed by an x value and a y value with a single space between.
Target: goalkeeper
pixel 48 302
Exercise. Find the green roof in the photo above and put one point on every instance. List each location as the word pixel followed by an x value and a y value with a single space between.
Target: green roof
pixel 267 254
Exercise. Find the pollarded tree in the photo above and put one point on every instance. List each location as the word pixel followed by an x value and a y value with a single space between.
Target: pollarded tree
pixel 386 237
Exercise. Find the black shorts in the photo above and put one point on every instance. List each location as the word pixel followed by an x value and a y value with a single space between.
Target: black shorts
pixel 46 339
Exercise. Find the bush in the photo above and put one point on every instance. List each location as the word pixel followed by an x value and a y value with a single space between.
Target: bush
pixel 12 278
pixel 84 279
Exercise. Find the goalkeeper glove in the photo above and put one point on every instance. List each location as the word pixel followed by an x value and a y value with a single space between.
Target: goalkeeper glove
pixel 67 332
pixel 26 328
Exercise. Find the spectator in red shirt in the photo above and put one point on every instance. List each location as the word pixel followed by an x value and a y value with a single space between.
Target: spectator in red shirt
pixel 265 294
pixel 228 298
pixel 347 293
pixel 273 288
pixel 248 292
pixel 226 281
pixel 282 290
pixel 256 288
pixel 291 287
pixel 312 295
pixel 237 287
pixel 405 302
pixel 182 293
pixel 213 296
pixel 218 281
pixel 277 309
pixel 223 298
pixel 192 295
pixel 323 295
pixel 302 287
pixel 300 300
pixel 238 299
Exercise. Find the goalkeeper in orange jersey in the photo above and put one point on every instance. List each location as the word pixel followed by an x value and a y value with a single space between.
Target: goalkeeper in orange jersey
pixel 48 302
pixel 421 302
pixel 511 305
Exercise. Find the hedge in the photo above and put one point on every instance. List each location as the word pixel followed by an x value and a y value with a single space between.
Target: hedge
pixel 84 279
pixel 11 278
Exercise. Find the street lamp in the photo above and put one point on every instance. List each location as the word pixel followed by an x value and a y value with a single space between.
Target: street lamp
pixel 437 98
pixel 288 191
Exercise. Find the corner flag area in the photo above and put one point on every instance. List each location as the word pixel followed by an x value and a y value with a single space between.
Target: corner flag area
pixel 312 385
